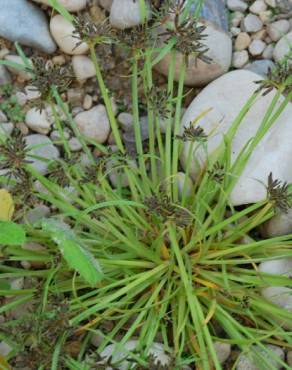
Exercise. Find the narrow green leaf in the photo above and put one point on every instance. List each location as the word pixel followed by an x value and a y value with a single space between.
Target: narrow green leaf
pixel 75 254
pixel 11 233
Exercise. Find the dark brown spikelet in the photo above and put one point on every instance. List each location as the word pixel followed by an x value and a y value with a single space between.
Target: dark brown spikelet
pixel 193 134
pixel 217 173
pixel 158 100
pixel 278 194
pixel 135 39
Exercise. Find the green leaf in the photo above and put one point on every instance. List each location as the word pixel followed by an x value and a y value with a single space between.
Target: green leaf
pixel 75 254
pixel 11 233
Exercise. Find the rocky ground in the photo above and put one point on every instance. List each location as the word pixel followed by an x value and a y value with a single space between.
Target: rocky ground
pixel 245 36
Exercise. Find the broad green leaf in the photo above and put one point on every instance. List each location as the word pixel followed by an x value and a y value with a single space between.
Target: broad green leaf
pixel 11 233
pixel 75 254
pixel 6 205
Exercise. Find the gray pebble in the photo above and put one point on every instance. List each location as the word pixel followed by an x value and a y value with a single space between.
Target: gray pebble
pixel 261 67
pixel 251 23
pixel 5 77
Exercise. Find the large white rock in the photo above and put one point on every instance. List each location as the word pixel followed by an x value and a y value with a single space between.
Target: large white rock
pixel 280 224
pixel 126 13
pixel 63 33
pixel 283 48
pixel 224 98
pixel 199 73
pixel 71 5
pixel 94 123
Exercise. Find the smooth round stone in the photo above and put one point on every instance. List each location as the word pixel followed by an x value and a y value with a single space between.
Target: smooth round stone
pixel 240 58
pixel 251 23
pixel 237 5
pixel 268 52
pixel 37 120
pixel 94 124
pixel 74 144
pixel 258 6
pixel 106 4
pixel 83 67
pixel 222 100
pixel 70 5
pixel 24 22
pixel 126 121
pixel 283 48
pixel 117 354
pixel 278 29
pixel 199 73
pixel 6 128
pixel 252 362
pixel 257 47
pixel 261 67
pixel 5 77
pixel 280 224
pixel 277 267
pixel 126 13
pixel 21 73
pixel 242 41
pixel 42 147
pixel 63 33
pixel 223 351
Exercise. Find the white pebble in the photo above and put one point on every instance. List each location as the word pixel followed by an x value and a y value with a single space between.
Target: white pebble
pixel 256 47
pixel 74 144
pixel 87 102
pixel 240 58
pixel 268 52
pixel 278 29
pixel 237 5
pixel 258 6
pixel 251 23
pixel 83 67
pixel 37 120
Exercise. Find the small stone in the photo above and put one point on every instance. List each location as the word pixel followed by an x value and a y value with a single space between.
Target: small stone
pixel 3 117
pixel 59 60
pixel 106 4
pixel 31 92
pixel 258 6
pixel 4 52
pixel 37 120
pixel 261 67
pixel 41 147
pixel 126 13
pixel 240 58
pixel 74 144
pixel 260 35
pixel 237 5
pixel 6 128
pixel 75 96
pixel 126 120
pixel 21 126
pixel 271 3
pixel 242 41
pixel 223 351
pixel 283 48
pixel 21 98
pixel 236 19
pixel 17 284
pixel 235 31
pixel 37 213
pixel 252 362
pixel 63 33
pixel 4 76
pixel 94 124
pixel 266 16
pixel 280 224
pixel 57 137
pixel 70 5
pixel 251 23
pixel 22 73
pixel 256 47
pixel 26 23
pixel 278 29
pixel 5 349
pixel 83 67
pixel 87 102
pixel 268 52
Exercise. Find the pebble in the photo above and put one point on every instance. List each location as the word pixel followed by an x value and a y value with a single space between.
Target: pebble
pixel 37 120
pixel 26 23
pixel 41 146
pixel 21 73
pixel 237 5
pixel 223 351
pixel 63 33
pixel 5 77
pixel 31 92
pixel 126 121
pixel 126 13
pixel 74 144
pixel 94 124
pixel 278 29
pixel 283 48
pixel 256 47
pixel 37 213
pixel 236 19
pixel 116 174
pixel 251 23
pixel 70 5
pixel 5 349
pixel 242 41
pixel 258 7
pixel 271 3
pixel 268 52
pixel 106 4
pixel 3 117
pixel 266 16
pixel 87 102
pixel 261 67
pixel 6 128
pixel 240 58
pixel 280 224
pixel 21 98
pixel 83 67
pixel 17 283
pixel 260 35
pixel 253 362
pixel 267 157
pixel 235 31
pixel 57 137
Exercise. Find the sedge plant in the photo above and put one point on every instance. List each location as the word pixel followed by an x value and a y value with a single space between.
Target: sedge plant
pixel 142 257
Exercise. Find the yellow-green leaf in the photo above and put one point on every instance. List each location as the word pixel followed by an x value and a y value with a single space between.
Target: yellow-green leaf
pixel 6 205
